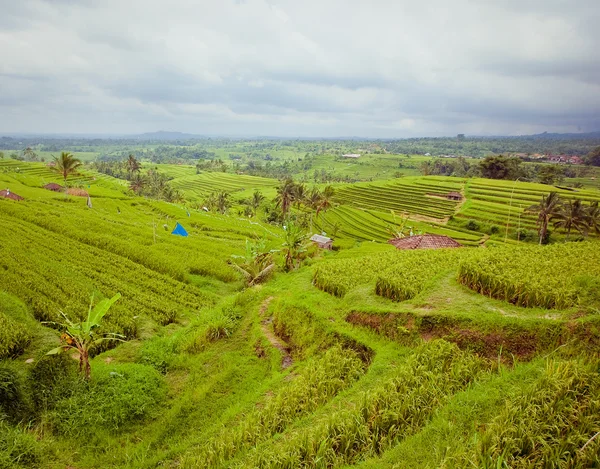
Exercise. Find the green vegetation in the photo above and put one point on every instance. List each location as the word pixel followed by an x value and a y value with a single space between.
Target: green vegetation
pixel 244 345
pixel 535 276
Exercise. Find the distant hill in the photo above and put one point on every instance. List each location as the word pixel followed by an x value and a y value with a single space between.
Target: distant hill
pixel 166 135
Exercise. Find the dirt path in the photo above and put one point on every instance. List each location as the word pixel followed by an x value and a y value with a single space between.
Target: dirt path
pixel 275 341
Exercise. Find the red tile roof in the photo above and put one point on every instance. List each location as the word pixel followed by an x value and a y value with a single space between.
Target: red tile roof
pixel 425 242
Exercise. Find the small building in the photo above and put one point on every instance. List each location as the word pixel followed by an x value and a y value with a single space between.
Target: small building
pixel 428 241
pixel 454 196
pixel 322 241
pixel 7 194
pixel 351 155
pixel 52 186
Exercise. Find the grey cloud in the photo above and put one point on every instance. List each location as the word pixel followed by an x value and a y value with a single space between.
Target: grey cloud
pixel 322 67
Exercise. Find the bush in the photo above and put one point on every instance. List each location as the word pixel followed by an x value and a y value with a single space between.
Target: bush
pixel 494 229
pixel 472 225
pixel 115 397
pixel 52 378
pixel 14 337
pixel 525 235
pixel 13 404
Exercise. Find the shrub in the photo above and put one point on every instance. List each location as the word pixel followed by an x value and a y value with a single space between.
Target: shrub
pixel 52 378
pixel 115 397
pixel 523 234
pixel 472 225
pixel 13 403
pixel 14 337
pixel 494 229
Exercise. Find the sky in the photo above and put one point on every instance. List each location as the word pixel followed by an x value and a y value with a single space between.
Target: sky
pixel 300 68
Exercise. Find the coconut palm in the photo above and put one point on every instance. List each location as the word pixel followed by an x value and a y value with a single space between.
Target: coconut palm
pixel 82 337
pixel 137 184
pixel 132 165
pixel 300 194
pixel 313 198
pixel 572 215
pixel 257 200
pixel 593 217
pixel 294 245
pixel 222 202
pixel 66 164
pixel 546 210
pixel 326 201
pixel 286 194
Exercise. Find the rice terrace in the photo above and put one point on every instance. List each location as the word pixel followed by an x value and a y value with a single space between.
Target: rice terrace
pixel 373 241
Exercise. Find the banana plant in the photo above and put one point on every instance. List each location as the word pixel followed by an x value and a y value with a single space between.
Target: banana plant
pixel 82 336
pixel 257 263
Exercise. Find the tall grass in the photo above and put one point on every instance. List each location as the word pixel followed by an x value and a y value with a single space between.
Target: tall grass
pixel 382 416
pixel 321 379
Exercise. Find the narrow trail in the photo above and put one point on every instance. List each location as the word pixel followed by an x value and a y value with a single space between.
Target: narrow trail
pixel 275 341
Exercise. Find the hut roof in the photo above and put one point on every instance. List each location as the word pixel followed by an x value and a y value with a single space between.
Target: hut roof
pixel 454 194
pixel 10 195
pixel 425 242
pixel 320 239
pixel 52 186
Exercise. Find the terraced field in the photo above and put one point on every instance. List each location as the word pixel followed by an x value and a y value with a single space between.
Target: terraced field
pixel 410 195
pixel 372 225
pixel 38 174
pixel 198 186
pixel 504 202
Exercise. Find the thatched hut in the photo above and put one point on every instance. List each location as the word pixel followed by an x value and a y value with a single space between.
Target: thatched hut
pixel 428 241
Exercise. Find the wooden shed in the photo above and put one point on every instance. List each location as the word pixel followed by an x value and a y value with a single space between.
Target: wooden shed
pixel 52 186
pixel 322 241
pixel 7 194
pixel 428 241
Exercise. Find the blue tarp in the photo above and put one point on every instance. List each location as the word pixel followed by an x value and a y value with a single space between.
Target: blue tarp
pixel 179 230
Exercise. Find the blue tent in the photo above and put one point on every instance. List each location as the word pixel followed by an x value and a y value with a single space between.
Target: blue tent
pixel 179 230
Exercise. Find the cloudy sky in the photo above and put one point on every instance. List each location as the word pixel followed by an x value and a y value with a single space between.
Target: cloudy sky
pixel 371 68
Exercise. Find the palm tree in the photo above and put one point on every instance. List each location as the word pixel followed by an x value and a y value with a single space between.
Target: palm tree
pixel 572 215
pixel 133 165
pixel 300 194
pixel 286 194
pixel 326 201
pixel 313 198
pixel 593 217
pixel 294 245
pixel 137 184
pixel 546 210
pixel 257 200
pixel 222 202
pixel 66 164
